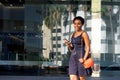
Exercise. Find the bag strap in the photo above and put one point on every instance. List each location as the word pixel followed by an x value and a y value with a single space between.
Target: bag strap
pixel 82 45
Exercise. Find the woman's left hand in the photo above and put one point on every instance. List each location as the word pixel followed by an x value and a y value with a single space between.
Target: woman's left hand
pixel 81 60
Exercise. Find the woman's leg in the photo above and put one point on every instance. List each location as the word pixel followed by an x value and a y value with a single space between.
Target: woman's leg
pixel 82 77
pixel 73 77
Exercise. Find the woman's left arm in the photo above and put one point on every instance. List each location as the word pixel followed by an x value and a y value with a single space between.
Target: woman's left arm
pixel 87 44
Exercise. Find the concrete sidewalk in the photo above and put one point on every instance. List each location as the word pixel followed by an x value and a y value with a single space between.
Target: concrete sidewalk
pixel 52 78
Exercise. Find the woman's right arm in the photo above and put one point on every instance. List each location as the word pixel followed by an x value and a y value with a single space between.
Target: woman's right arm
pixel 69 44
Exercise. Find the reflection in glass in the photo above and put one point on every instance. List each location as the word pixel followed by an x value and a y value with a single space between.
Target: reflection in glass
pixel 32 33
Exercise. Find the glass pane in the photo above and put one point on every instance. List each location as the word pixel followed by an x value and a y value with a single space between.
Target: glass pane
pixel 110 56
pixel 32 33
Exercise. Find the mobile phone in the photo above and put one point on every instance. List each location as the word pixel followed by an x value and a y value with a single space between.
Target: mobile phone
pixel 65 39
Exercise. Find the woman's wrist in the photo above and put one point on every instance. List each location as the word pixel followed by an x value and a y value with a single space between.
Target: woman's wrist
pixel 84 59
pixel 68 44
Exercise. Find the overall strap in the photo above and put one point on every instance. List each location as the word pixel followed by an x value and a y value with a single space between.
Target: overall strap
pixel 82 44
pixel 73 34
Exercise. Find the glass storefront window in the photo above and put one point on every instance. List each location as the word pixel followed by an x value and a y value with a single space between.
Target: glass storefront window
pixel 32 33
pixel 110 15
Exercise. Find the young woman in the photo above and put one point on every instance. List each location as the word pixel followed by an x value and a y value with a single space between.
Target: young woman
pixel 79 53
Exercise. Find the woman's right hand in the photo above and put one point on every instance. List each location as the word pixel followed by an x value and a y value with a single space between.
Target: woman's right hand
pixel 67 42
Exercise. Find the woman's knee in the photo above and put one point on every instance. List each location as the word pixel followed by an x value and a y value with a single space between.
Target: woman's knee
pixel 82 77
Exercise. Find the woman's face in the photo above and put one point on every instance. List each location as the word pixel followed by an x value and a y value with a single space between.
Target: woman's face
pixel 77 25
